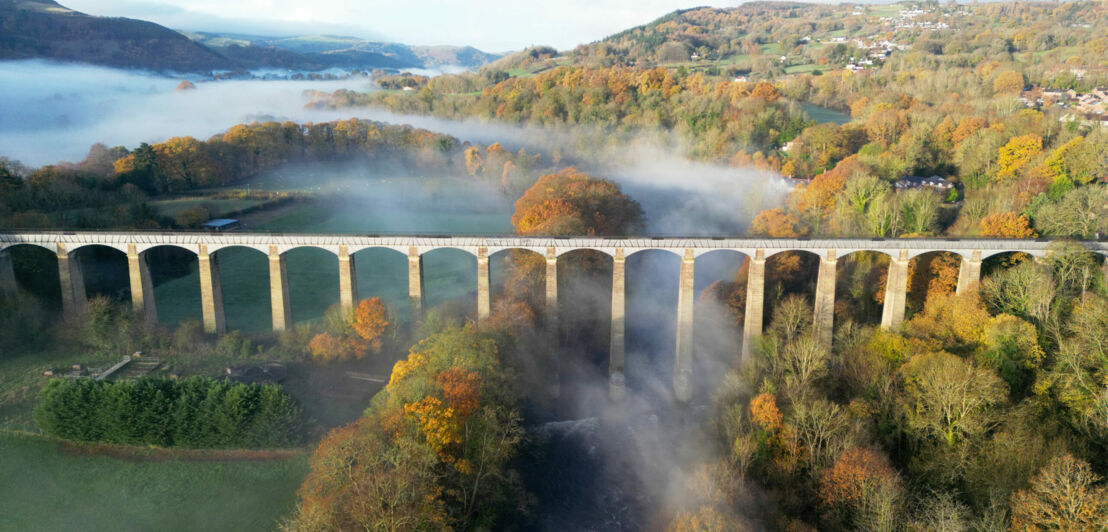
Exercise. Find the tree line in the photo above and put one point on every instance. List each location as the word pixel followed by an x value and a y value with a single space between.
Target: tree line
pixel 110 188
pixel 194 412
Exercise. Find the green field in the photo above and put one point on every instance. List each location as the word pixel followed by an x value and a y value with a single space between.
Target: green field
pixel 885 10
pixel 825 115
pixel 44 488
pixel 799 69
pixel 217 207
pixel 21 379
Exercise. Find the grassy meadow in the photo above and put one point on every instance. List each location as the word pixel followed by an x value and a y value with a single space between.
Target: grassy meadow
pixel 47 486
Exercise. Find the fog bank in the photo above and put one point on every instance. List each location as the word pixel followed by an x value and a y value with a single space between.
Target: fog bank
pixel 53 112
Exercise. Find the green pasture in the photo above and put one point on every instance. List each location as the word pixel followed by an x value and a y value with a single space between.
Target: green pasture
pixel 217 207
pixel 47 489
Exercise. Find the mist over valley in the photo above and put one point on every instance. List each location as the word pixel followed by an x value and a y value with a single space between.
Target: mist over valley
pixel 775 266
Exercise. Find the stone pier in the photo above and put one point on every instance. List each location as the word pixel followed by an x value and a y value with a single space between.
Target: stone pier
pixel 550 320
pixel 896 291
pixel 348 281
pixel 279 291
pixel 551 288
pixel 824 319
pixel 415 286
pixel 686 301
pixel 7 273
pixel 484 305
pixel 142 286
pixel 74 297
pixel 755 300
pixel 211 292
pixel 970 272
pixel 616 384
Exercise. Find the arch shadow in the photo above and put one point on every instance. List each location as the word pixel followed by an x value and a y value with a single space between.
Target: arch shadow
pixel 584 325
pixel 174 271
pixel 36 273
pixel 450 283
pixel 313 282
pixel 105 272
pixel 652 288
pixel 244 280
pixel 719 285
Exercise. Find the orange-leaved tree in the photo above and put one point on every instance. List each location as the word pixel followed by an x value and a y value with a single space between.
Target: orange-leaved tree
pixel 572 202
pixel 861 485
pixel 354 336
pixel 1007 225
pixel 329 347
pixel 371 321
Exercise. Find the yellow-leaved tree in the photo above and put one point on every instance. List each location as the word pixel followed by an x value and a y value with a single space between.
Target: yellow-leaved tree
pixel 1015 155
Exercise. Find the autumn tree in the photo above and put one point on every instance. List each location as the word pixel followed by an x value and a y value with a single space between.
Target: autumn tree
pixel 327 347
pixel 1016 154
pixel 776 223
pixel 360 479
pixel 948 399
pixel 1008 82
pixel 371 321
pixel 572 202
pixel 863 489
pixel 1065 495
pixel 1007 225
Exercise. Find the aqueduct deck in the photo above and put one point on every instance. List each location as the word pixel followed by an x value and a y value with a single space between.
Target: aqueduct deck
pixel 205 246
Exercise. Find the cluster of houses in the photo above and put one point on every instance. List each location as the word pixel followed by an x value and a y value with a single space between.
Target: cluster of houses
pixel 876 53
pixel 907 20
pixel 1091 104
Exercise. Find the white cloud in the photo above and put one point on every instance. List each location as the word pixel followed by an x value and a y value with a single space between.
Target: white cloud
pixel 492 25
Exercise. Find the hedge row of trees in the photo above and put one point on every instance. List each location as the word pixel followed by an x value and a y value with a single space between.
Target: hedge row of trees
pixel 195 412
pixel 110 187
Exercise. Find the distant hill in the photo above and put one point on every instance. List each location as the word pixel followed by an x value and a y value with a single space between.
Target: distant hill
pixel 47 30
pixel 338 50
pixel 44 29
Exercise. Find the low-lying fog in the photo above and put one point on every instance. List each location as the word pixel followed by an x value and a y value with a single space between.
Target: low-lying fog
pixel 54 112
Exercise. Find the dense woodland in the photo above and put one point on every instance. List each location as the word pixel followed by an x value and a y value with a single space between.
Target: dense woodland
pixel 986 410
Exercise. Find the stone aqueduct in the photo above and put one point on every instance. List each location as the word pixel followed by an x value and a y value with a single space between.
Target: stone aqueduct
pixel 205 246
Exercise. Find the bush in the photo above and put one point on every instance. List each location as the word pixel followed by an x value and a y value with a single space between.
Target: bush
pixel 196 412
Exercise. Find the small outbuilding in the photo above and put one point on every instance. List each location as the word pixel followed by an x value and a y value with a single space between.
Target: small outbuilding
pixel 222 225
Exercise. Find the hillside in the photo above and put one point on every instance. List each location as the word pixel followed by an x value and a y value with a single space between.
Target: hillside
pixel 44 29
pixel 333 50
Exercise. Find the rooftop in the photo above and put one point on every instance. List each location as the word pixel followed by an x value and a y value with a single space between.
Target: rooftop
pixel 220 222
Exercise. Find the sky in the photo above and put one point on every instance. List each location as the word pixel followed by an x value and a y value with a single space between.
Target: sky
pixel 490 25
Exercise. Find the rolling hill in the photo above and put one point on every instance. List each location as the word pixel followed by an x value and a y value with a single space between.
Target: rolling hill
pixel 44 29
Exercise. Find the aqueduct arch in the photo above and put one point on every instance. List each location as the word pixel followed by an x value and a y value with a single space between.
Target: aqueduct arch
pixel 204 245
